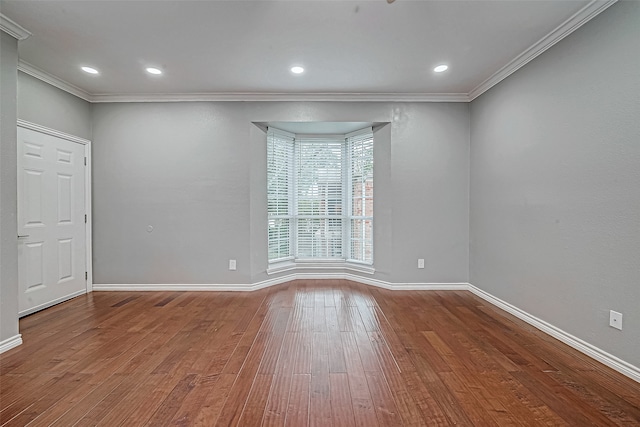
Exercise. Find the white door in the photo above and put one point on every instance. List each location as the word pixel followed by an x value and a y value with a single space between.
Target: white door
pixel 51 220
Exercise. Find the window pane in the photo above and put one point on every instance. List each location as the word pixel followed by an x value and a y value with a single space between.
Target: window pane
pixel 319 176
pixel 361 240
pixel 319 238
pixel 279 242
pixel 279 193
pixel 361 204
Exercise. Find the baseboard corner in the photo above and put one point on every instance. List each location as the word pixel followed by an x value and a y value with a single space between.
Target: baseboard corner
pixel 10 343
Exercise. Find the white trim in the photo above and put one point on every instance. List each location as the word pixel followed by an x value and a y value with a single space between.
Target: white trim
pixel 12 28
pixel 88 225
pixel 87 186
pixel 295 97
pixel 10 343
pixel 364 131
pixel 46 77
pixel 51 303
pixel 48 131
pixel 278 280
pixel 279 132
pixel 336 265
pixel 590 350
pixel 172 287
pixel 374 282
pixel 584 15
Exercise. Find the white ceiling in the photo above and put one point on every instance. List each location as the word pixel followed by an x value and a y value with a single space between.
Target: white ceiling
pixel 355 48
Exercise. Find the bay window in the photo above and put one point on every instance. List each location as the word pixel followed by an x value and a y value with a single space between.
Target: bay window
pixel 320 196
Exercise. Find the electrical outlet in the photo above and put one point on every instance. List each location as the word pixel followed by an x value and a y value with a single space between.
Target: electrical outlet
pixel 420 263
pixel 615 319
pixel 232 264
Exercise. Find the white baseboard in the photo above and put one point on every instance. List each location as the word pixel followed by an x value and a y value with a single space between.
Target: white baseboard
pixel 590 350
pixel 10 343
pixel 171 287
pixel 278 280
pixel 367 281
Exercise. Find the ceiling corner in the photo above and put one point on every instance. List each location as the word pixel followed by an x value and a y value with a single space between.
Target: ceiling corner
pixel 577 20
pixel 36 72
pixel 13 29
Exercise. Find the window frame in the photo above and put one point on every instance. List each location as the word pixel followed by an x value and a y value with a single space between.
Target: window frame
pixel 359 136
pixel 293 259
pixel 289 216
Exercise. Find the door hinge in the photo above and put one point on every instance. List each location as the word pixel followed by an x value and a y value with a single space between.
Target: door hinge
pixel 86 275
pixel 85 218
pixel 85 161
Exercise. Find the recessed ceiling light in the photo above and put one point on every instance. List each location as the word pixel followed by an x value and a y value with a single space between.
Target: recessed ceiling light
pixel 89 70
pixel 297 70
pixel 152 70
pixel 441 68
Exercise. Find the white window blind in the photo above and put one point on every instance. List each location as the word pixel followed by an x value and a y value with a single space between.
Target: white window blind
pixel 320 196
pixel 360 149
pixel 279 193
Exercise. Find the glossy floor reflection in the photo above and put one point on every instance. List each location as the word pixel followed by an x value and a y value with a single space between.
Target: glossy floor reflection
pixel 304 353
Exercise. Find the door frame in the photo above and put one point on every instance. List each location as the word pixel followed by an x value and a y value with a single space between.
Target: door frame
pixel 87 189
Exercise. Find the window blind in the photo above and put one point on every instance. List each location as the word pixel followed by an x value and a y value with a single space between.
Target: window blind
pixel 360 150
pixel 279 193
pixel 319 196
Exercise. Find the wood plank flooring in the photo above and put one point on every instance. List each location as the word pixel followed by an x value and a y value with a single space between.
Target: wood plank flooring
pixel 316 353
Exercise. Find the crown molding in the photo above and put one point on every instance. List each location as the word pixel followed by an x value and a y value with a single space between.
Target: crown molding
pixel 584 15
pixel 12 28
pixel 284 97
pixel 36 72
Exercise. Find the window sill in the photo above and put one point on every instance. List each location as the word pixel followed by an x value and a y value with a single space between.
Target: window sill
pixel 301 264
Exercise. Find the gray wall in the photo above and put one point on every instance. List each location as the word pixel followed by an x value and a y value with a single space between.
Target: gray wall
pixel 195 172
pixel 8 188
pixel 46 105
pixel 555 184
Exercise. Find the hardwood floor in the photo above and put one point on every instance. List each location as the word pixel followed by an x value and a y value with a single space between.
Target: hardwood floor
pixel 316 353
